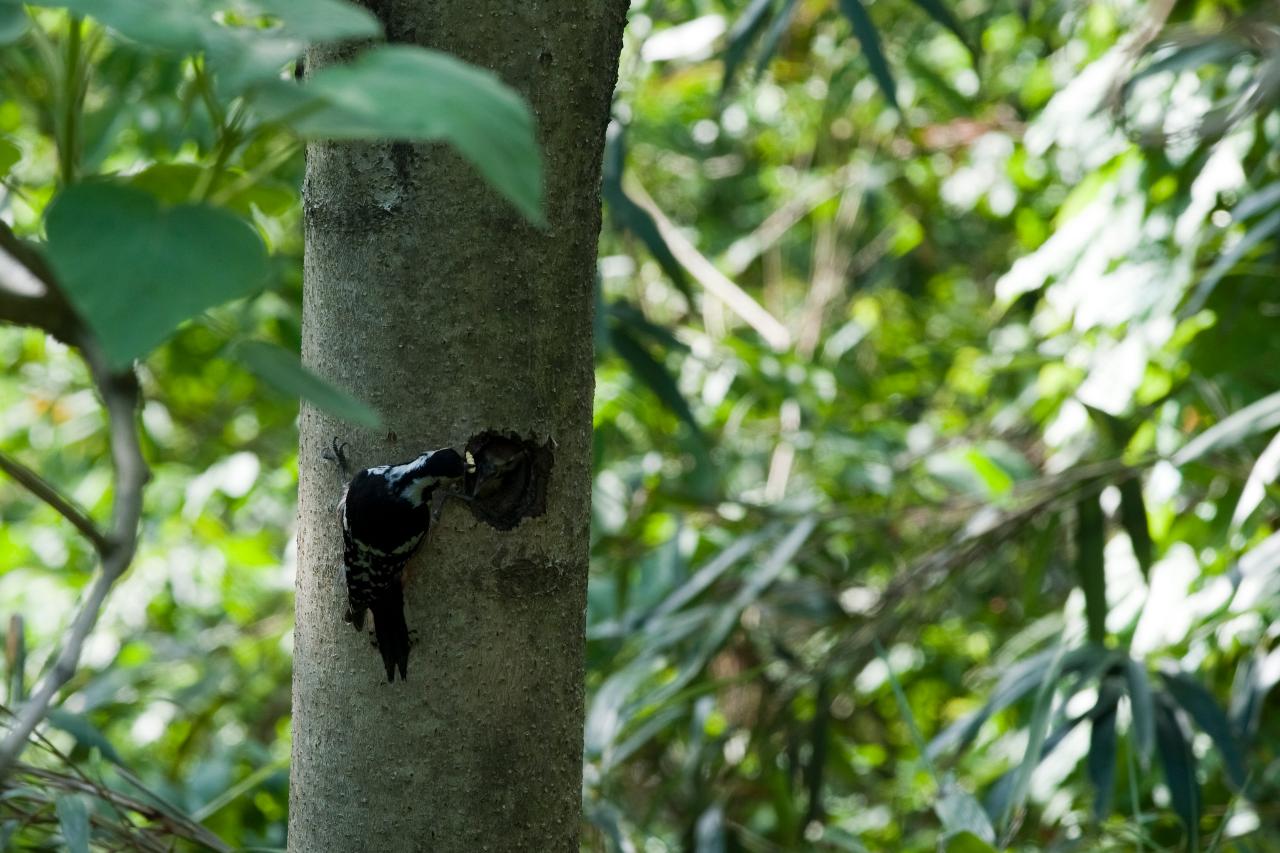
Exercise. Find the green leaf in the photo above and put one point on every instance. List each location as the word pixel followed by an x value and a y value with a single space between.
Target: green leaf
pixel 285 372
pixel 410 93
pixel 654 375
pixel 135 270
pixel 628 315
pixel 85 733
pixel 241 55
pixel 13 23
pixel 174 183
pixel 1259 416
pixel 1204 709
pixel 183 26
pixel 315 21
pixel 709 835
pixel 938 10
pixel 740 37
pixel 772 36
pixel 709 573
pixel 1037 729
pixel 962 814
pixel 1179 764
pixel 869 38
pixel 1101 762
pixel 1228 259
pixel 1000 795
pixel 1017 682
pixel 73 820
pixel 628 216
pixel 1263 200
pixel 1264 472
pixel 10 153
pixel 1090 546
pixel 967 842
pixel 1141 709
pixel 1133 516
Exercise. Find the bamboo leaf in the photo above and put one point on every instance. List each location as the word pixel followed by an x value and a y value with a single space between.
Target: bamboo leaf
pixel 740 38
pixel 629 216
pixel 1228 259
pixel 1037 729
pixel 772 36
pixel 1264 472
pixel 1101 762
pixel 1133 516
pixel 937 9
pixel 1259 416
pixel 1179 764
pixel 1141 708
pixel 869 38
pixel 1212 720
pixel 1090 546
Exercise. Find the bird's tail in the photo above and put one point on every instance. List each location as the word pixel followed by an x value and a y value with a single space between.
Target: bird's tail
pixel 392 632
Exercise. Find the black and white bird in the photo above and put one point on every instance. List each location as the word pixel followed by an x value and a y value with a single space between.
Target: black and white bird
pixel 385 513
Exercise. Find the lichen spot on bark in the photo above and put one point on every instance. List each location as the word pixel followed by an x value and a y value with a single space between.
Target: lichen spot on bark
pixel 509 481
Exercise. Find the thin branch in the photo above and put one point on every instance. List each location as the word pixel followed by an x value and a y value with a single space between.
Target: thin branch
pixel 121 395
pixel 743 252
pixel 28 296
pixel 709 276
pixel 47 492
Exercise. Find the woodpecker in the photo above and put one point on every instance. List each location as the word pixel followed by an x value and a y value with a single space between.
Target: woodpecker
pixel 385 513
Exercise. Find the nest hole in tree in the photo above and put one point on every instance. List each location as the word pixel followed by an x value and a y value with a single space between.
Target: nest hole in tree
pixel 509 482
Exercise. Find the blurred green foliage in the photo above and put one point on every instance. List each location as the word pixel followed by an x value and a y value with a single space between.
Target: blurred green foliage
pixel 953 528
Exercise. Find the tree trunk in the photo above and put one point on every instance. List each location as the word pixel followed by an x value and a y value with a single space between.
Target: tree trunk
pixel 429 297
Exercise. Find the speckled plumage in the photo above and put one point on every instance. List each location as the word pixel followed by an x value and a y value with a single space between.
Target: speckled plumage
pixel 385 513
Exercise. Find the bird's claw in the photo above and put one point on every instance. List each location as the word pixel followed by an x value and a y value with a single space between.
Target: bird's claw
pixel 338 453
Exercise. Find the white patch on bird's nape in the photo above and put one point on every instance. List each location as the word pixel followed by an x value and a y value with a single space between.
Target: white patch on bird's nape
pixel 397 472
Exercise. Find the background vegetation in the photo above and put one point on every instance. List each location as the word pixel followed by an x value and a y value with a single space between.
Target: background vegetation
pixel 935 447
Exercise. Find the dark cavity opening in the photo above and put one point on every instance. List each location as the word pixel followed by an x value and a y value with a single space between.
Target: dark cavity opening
pixel 509 483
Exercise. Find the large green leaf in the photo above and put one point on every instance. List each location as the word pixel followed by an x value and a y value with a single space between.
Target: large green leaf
pixel 284 371
pixel 410 93
pixel 135 270
pixel 243 55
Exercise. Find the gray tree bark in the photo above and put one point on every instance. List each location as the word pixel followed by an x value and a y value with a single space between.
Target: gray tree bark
pixel 428 296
